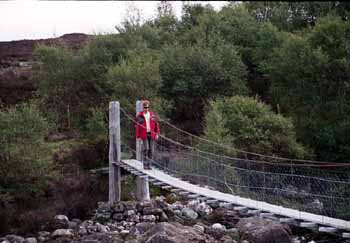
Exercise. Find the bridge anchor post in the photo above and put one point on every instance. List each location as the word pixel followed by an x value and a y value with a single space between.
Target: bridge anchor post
pixel 142 190
pixel 114 152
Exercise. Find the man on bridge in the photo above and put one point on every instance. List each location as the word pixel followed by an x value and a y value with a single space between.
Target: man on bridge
pixel 148 130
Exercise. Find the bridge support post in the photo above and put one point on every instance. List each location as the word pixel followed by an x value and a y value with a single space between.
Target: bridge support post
pixel 114 152
pixel 142 190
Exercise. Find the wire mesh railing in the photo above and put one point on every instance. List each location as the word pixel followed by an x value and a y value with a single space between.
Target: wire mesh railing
pixel 317 187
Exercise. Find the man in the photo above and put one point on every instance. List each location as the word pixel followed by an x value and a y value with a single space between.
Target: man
pixel 147 130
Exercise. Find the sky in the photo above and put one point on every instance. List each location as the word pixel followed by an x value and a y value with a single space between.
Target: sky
pixel 33 19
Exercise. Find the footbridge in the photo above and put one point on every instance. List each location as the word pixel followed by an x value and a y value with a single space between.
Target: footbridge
pixel 310 194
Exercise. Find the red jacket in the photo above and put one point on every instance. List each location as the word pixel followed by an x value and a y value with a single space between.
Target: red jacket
pixel 140 126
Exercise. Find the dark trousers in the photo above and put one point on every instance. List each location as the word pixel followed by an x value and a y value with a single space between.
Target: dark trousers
pixel 147 150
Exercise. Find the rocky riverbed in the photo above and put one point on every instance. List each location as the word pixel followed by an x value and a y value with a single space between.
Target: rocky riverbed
pixel 157 221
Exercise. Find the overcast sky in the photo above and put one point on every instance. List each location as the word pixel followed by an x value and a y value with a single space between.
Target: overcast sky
pixel 32 19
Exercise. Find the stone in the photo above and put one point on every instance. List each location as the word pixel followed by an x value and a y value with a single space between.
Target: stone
pixel 189 213
pixel 82 231
pixel 176 206
pixel 149 218
pixel 203 209
pixel 43 236
pixel 102 228
pixel 118 216
pixel 218 226
pixel 62 233
pixel 163 217
pixel 15 238
pixel 30 240
pixel 154 211
pixel 130 212
pixel 259 230
pixel 174 233
pixel 118 207
pixel 124 233
pixel 199 228
pixel 72 225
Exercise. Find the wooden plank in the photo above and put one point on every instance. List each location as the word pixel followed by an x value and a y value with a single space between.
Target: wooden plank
pixel 327 229
pixel 346 235
pixel 249 203
pixel 309 225
pixel 166 187
pixel 254 211
pixel 114 154
pixel 287 220
pixel 176 190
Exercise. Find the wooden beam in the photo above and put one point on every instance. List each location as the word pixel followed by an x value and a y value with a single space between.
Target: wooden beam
pixel 114 152
pixel 142 190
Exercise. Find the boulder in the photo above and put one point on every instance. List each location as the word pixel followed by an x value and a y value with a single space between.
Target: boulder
pixel 174 233
pixel 259 230
pixel 62 233
pixel 189 213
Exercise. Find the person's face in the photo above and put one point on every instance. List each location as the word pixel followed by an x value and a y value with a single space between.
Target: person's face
pixel 146 108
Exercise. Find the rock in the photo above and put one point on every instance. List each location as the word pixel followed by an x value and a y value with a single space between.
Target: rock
pixel 82 230
pixel 72 225
pixel 118 207
pixel 61 222
pixel 216 230
pixel 149 218
pixel 118 216
pixel 134 218
pixel 30 240
pixel 62 233
pixel 163 217
pixel 154 211
pixel 176 206
pixel 124 233
pixel 141 228
pixel 15 238
pixel 102 228
pixel 189 213
pixel 130 212
pixel 43 236
pixel 233 233
pixel 223 216
pixel 174 233
pixel 218 226
pixel 199 228
pixel 203 209
pixel 258 230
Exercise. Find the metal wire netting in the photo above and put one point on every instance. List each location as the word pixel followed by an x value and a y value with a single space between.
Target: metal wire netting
pixel 312 186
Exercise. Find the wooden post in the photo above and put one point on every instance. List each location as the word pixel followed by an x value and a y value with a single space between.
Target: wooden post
pixel 114 152
pixel 142 191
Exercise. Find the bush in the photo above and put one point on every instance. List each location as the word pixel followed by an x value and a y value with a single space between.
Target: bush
pixel 23 157
pixel 250 125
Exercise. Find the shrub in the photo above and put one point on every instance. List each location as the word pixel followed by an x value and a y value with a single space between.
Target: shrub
pixel 250 125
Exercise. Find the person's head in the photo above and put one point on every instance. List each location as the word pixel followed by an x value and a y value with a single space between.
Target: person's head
pixel 145 105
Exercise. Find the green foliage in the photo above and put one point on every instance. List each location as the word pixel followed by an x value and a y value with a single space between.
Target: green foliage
pixel 23 164
pixel 293 16
pixel 134 78
pixel 96 127
pixel 193 75
pixel 310 81
pixel 250 125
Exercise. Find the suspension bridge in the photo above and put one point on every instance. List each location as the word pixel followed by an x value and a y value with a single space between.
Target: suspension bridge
pixel 310 194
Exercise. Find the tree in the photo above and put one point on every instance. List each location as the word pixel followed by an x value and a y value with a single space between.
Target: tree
pixel 309 77
pixel 193 75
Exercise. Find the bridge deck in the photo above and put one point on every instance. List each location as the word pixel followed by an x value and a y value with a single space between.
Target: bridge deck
pixel 224 197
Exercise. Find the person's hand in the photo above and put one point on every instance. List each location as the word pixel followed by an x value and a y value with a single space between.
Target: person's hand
pixel 157 137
